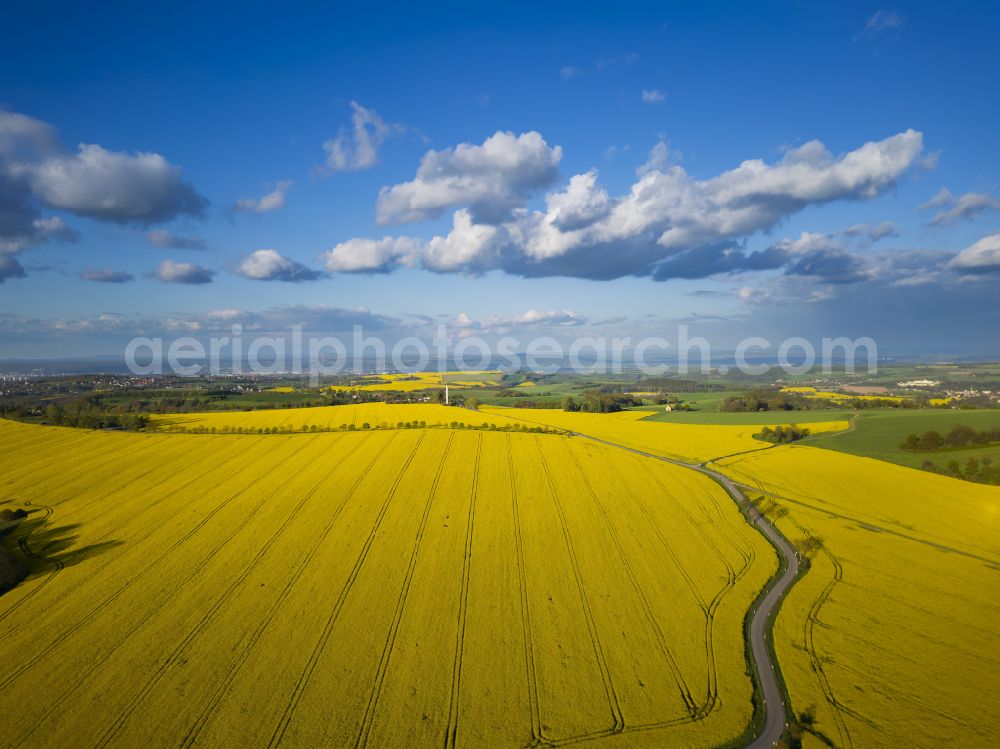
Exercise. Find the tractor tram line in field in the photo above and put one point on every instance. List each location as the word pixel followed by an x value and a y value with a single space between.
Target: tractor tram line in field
pixel 767 669
pixel 320 645
pixel 152 565
pixel 618 721
pixel 11 631
pixel 149 614
pixel 127 483
pixel 232 671
pixel 992 563
pixel 211 612
pixel 451 731
pixel 711 608
pixel 390 641
pixel 723 524
pixel 809 643
pixel 812 618
pixel 98 452
pixel 29 447
pixel 529 655
pixel 604 581
pixel 96 447
pixel 697 712
pixel 539 739
pixel 917 662
pixel 694 710
pixel 315 588
pixel 708 607
pixel 66 438
pixel 103 497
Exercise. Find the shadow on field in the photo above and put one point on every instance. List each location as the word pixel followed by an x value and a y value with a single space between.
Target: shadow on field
pixel 30 544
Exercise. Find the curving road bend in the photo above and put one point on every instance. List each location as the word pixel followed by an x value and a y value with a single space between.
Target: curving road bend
pixel 762 619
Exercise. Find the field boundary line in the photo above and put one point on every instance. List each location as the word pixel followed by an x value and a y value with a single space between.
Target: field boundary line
pixel 872 527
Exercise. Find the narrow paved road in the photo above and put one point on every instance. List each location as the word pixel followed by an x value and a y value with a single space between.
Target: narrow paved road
pixel 774 710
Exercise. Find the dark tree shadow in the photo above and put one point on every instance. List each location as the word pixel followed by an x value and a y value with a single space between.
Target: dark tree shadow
pixel 31 544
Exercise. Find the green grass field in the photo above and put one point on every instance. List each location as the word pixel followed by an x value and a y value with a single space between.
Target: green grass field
pixel 879 433
pixel 706 411
pixel 700 402
pixel 756 417
pixel 706 401
pixel 487 378
pixel 234 401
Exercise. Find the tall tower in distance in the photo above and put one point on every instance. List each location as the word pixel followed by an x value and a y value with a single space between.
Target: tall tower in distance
pixel 447 401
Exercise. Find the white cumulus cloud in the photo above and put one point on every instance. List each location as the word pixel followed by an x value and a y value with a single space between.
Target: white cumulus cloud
pixel 166 240
pixel 272 201
pixel 669 224
pixel 106 185
pixel 357 148
pixel 982 256
pixel 10 267
pixel 963 208
pixel 183 273
pixel 270 265
pixel 106 275
pixel 371 255
pixel 490 179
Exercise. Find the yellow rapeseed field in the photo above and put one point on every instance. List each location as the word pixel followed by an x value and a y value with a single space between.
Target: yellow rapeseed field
pixel 893 636
pixel 390 588
pixel 830 395
pixel 407 383
pixel 811 392
pixel 375 414
pixel 688 442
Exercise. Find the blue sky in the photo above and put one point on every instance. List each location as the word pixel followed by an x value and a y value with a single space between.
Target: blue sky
pixel 609 201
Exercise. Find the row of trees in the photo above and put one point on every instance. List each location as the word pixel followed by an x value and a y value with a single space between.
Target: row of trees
pixel 599 401
pixel 12 569
pixel 86 415
pixel 769 400
pixel 960 435
pixel 781 435
pixel 762 399
pixel 980 470
pixel 518 427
